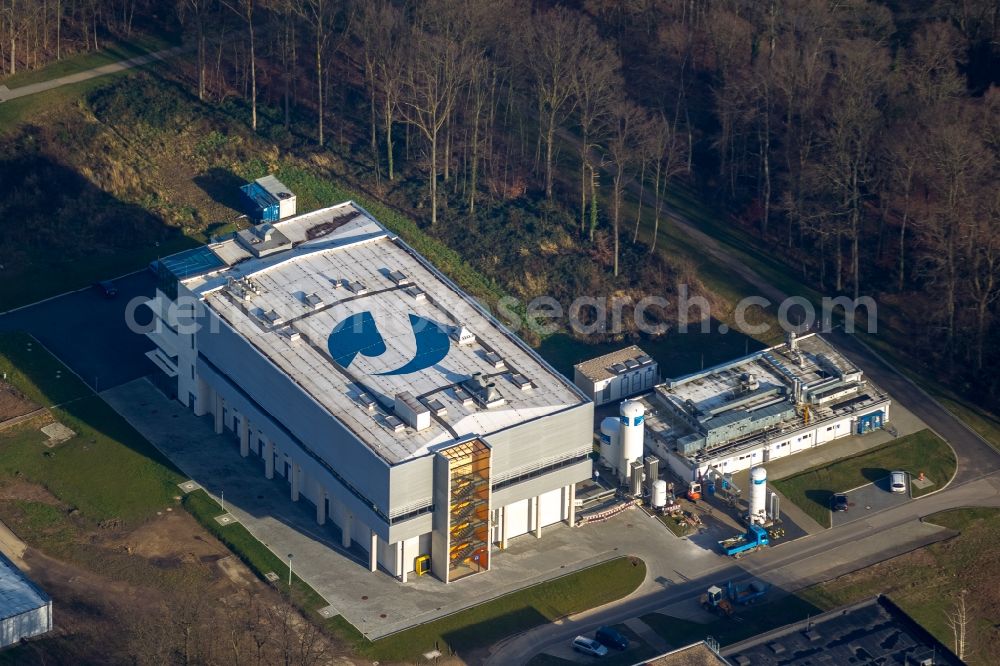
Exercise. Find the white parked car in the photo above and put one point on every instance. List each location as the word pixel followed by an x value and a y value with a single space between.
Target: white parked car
pixel 897 481
pixel 589 646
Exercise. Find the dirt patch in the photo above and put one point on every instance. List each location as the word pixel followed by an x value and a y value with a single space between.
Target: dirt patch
pixel 19 489
pixel 13 403
pixel 145 595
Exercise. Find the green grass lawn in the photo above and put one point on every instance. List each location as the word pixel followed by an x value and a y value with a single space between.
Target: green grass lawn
pixel 926 583
pixel 36 373
pixel 113 52
pixel 920 452
pixel 107 470
pixel 749 621
pixel 513 613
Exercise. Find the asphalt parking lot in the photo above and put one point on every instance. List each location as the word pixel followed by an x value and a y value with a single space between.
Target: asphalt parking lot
pixel 868 499
pixel 89 332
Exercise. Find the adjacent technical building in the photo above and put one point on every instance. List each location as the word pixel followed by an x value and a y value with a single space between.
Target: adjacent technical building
pixel 386 396
pixel 874 631
pixel 697 654
pixel 764 406
pixel 25 610
pixel 617 375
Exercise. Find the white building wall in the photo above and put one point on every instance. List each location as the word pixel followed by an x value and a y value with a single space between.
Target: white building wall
pixel 517 518
pixel 830 431
pixel 25 625
pixel 550 510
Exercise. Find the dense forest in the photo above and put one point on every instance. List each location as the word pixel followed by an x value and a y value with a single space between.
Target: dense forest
pixel 857 141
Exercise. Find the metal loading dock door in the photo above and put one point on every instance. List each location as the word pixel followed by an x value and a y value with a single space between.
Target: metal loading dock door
pixel 870 422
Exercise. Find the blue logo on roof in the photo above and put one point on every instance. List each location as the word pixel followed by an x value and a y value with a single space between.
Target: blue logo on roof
pixel 359 334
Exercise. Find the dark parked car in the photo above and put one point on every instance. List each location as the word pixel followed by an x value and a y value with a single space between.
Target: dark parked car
pixel 839 502
pixel 107 288
pixel 611 637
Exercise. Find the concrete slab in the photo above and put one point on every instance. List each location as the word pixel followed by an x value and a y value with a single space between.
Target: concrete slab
pixel 226 519
pixel 57 433
pixel 869 499
pixel 377 603
pixel 189 486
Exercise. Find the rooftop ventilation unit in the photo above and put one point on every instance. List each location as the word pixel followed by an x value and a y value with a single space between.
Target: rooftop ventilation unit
pixel 463 396
pixel 291 334
pixel 394 424
pixel 521 382
pixel 748 381
pixel 494 359
pixel 645 359
pixel 631 364
pixel 357 288
pixel 412 411
pixel 617 369
pixel 486 394
pixel 313 300
pixel 437 407
pixel 367 402
pixel 273 318
pixel 399 278
pixel 417 294
pixel 462 335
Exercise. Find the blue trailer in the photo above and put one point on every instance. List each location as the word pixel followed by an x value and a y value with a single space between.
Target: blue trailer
pixel 754 539
pixel 746 593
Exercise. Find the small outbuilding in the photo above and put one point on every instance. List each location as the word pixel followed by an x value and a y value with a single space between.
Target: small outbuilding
pixel 25 610
pixel 617 375
pixel 268 200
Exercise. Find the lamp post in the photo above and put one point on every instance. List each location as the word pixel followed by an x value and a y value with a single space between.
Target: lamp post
pixel 289 573
pixel 222 499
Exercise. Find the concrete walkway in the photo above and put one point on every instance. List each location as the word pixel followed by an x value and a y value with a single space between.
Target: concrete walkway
pixel 31 89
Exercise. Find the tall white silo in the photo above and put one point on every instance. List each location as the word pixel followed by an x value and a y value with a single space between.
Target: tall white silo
pixel 632 436
pixel 758 496
pixel 611 442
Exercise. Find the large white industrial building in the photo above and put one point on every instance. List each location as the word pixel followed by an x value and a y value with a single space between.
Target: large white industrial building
pixel 346 363
pixel 25 610
pixel 767 405
pixel 616 376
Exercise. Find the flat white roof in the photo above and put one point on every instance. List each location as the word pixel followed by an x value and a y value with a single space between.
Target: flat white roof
pixel 614 363
pixel 17 593
pixel 352 314
pixel 763 383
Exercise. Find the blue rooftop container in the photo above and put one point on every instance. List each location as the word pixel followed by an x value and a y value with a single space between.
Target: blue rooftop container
pixel 268 200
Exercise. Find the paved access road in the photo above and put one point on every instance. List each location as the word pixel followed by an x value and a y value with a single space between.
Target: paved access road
pixel 976 458
pixel 789 567
pixel 89 332
pixel 31 89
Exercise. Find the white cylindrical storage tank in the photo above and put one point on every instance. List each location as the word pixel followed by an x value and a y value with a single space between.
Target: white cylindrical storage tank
pixel 611 442
pixel 632 436
pixel 758 496
pixel 659 494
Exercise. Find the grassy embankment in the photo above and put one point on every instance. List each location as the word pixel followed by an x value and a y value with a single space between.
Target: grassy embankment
pixel 927 583
pixel 922 451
